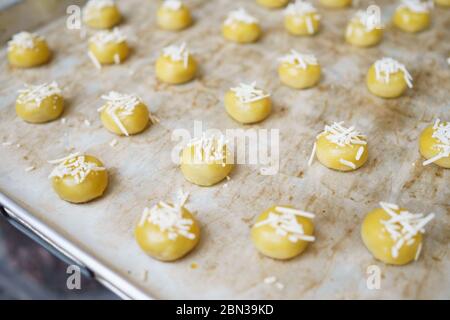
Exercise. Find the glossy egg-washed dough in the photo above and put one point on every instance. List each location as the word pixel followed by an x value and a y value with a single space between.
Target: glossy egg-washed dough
pixel 379 242
pixel 247 112
pixel 411 21
pixel 92 187
pixel 156 243
pixel 336 3
pixel 297 24
pixel 103 18
pixel 428 149
pixel 173 20
pixel 299 78
pixel 329 154
pixel 241 32
pixel 273 3
pixel 360 37
pixel 105 53
pixel 29 57
pixel 50 108
pixel 392 89
pixel 175 72
pixel 275 246
pixel 133 123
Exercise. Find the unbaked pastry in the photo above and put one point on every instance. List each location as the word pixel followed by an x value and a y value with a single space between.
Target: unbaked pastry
pixel 340 148
pixel 248 103
pixel 336 3
pixel 298 70
pixel 173 15
pixel 101 14
pixel 124 114
pixel 301 18
pixel 282 232
pixel 27 50
pixel 434 144
pixel 108 47
pixel 41 103
pixel 79 178
pixel 363 30
pixel 176 65
pixel 206 160
pixel 413 15
pixel 241 27
pixel 167 232
pixel 388 78
pixel 393 234
pixel 272 4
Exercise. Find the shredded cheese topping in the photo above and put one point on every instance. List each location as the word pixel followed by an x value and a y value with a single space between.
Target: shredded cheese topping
pixel 210 149
pixel 25 40
pixel 119 105
pixel 299 60
pixel 92 7
pixel 442 134
pixel 247 93
pixel 369 20
pixel 74 165
pixel 169 218
pixel 240 15
pixel 104 37
pixel 177 53
pixel 387 66
pixel 172 4
pixel 38 93
pixel 417 5
pixel 303 8
pixel 284 221
pixel 403 226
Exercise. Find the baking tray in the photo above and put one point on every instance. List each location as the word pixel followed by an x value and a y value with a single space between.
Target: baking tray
pixel 99 235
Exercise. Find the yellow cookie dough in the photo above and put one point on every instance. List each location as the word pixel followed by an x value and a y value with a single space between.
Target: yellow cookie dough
pixel 443 3
pixel 124 114
pixel 41 103
pixel 101 14
pixel 27 50
pixel 173 15
pixel 241 27
pixel 363 30
pixel 108 47
pixel 206 161
pixel 299 71
pixel 434 144
pixel 394 235
pixel 272 4
pixel 340 148
pixel 413 16
pixel 336 3
pixel 282 232
pixel 79 178
pixel 247 103
pixel 176 65
pixel 387 78
pixel 167 232
pixel 301 19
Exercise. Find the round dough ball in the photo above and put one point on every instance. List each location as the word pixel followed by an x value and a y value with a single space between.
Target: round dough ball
pixel 429 147
pixel 299 25
pixel 336 3
pixel 272 4
pixel 156 242
pixel 50 108
pixel 330 154
pixel 91 187
pixel 27 50
pixel 133 123
pixel 241 32
pixel 443 3
pixel 247 112
pixel 396 86
pixel 411 21
pixel 175 71
pixel 276 246
pixel 358 35
pixel 110 52
pixel 173 20
pixel 379 242
pixel 298 78
pixel 101 17
pixel 204 173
